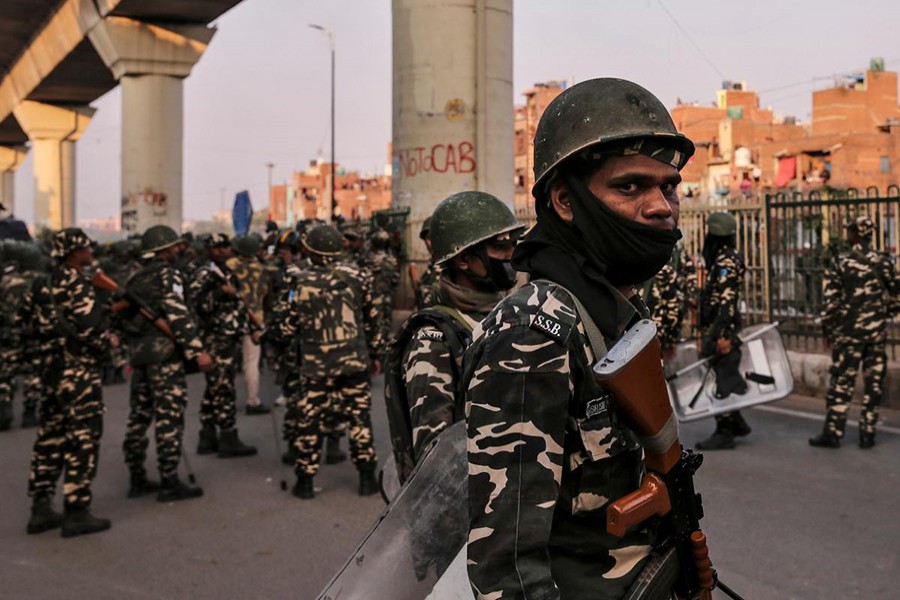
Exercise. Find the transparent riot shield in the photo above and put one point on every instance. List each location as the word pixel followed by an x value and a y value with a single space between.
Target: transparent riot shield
pixel 418 536
pixel 764 366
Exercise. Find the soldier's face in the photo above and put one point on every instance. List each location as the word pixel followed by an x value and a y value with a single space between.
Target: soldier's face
pixel 639 188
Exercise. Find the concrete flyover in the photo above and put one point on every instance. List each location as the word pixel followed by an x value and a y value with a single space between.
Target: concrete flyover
pixel 58 56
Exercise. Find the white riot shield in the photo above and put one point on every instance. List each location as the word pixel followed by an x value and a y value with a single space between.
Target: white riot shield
pixel 764 365
pixel 418 536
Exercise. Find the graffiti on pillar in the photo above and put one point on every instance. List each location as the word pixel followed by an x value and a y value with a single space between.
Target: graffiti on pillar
pixel 143 207
pixel 458 159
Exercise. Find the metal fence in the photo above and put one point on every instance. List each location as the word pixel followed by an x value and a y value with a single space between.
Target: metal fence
pixel 786 241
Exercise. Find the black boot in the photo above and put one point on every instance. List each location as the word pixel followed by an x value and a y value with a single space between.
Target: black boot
pixel 866 439
pixel 738 426
pixel 826 439
pixel 368 485
pixel 6 416
pixel 140 485
pixel 29 418
pixel 80 521
pixel 208 443
pixel 721 439
pixel 303 489
pixel 231 446
pixel 43 517
pixel 173 490
pixel 333 454
pixel 258 409
pixel 289 457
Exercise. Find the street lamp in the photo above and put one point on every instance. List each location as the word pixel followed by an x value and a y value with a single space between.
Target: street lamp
pixel 330 35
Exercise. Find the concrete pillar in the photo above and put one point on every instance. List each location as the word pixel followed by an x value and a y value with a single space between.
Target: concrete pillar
pixel 10 159
pixel 53 131
pixel 151 62
pixel 452 103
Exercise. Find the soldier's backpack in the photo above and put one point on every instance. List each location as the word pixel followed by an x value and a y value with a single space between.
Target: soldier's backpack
pixel 457 335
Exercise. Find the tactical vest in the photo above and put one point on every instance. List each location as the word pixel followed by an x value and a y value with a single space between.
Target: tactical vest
pixel 457 335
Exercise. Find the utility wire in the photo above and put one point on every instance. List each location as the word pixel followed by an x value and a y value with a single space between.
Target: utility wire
pixel 693 43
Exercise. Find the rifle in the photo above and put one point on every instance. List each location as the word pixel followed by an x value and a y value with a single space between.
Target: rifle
pixel 126 300
pixel 633 372
pixel 250 316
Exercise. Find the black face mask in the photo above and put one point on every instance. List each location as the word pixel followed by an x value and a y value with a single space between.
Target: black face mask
pixel 500 277
pixel 627 251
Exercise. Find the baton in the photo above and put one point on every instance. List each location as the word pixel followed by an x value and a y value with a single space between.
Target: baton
pixel 758 333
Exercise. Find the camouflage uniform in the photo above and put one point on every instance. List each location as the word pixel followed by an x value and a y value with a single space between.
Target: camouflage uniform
pixel 427 283
pixel 721 320
pixel 74 336
pixel 18 351
pixel 858 287
pixel 665 303
pixel 431 377
pixel 331 308
pixel 384 272
pixel 158 386
pixel 222 324
pixel 285 352
pixel 541 471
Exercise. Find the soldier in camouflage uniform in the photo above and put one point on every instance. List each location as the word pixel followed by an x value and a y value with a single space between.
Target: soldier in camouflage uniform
pixel 222 317
pixel 331 308
pixel 254 289
pixel 158 386
pixel 474 236
pixel 19 354
pixel 860 285
pixel 668 296
pixel 548 449
pixel 720 320
pixel 284 272
pixel 72 329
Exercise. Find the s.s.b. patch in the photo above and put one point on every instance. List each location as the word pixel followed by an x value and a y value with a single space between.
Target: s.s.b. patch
pixel 427 333
pixel 551 326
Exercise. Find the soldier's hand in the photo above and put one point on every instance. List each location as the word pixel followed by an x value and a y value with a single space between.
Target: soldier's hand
pixel 204 362
pixel 376 368
pixel 229 290
pixel 256 337
pixel 827 342
pixel 723 346
pixel 114 340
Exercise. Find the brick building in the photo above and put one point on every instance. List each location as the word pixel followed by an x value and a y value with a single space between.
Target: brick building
pixel 306 195
pixel 526 119
pixel 852 141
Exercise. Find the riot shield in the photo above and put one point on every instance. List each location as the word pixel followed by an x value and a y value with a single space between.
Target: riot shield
pixel 418 536
pixel 764 365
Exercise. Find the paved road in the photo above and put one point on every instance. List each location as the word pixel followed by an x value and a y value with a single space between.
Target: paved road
pixel 785 521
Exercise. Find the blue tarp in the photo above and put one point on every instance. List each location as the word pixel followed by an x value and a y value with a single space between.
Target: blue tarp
pixel 242 213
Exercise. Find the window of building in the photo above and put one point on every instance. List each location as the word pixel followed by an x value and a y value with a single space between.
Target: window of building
pixel 885 164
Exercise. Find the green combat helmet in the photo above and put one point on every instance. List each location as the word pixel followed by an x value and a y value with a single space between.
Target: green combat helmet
pixel 159 237
pixel 324 240
pixel 426 229
pixel 721 224
pixel 465 219
pixel 30 257
pixel 246 245
pixel 600 111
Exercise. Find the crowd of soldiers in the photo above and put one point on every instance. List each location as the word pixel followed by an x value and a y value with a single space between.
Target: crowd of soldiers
pixel 315 302
pixel 505 337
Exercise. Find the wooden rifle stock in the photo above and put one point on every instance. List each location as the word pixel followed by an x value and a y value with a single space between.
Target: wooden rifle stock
pixel 632 370
pixel 102 281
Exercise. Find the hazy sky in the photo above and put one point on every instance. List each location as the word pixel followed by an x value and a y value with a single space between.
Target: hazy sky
pixel 260 93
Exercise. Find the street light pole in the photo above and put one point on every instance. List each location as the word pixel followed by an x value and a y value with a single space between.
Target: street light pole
pixel 330 35
pixel 269 167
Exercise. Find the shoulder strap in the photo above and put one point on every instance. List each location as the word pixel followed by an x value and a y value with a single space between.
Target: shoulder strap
pixel 595 338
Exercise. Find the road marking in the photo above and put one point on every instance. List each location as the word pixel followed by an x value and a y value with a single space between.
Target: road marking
pixel 811 417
